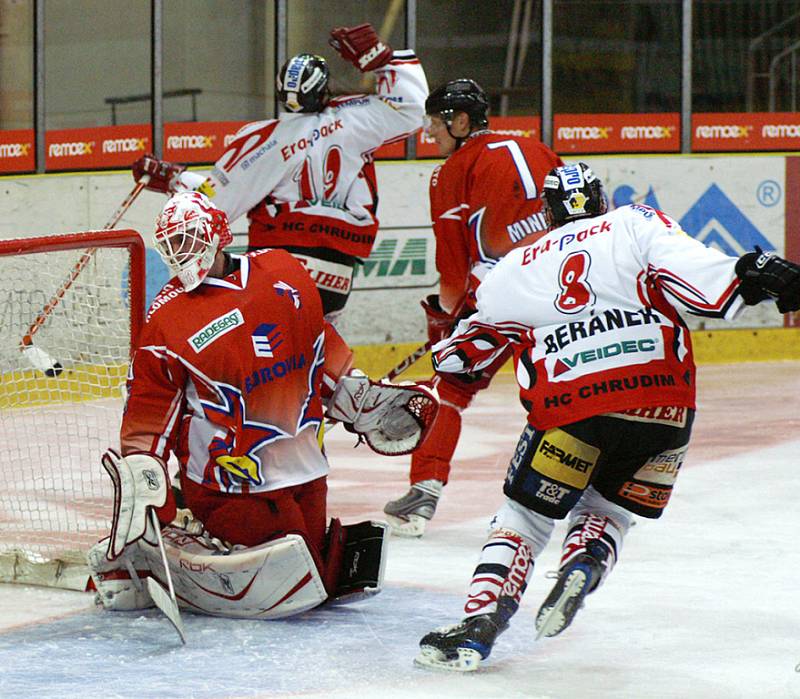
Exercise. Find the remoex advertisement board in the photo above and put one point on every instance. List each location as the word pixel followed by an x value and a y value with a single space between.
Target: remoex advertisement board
pixel 17 151
pixel 759 131
pixel 616 133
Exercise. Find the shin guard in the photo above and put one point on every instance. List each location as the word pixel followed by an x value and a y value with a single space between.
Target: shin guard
pixel 598 533
pixel 501 576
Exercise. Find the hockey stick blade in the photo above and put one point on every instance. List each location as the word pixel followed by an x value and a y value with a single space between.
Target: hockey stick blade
pixel 167 605
pixel 163 599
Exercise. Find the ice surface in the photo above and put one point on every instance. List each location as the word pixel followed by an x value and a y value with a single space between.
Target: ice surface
pixel 703 602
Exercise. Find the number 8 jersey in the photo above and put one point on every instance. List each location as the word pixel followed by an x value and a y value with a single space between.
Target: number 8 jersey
pixel 484 202
pixel 592 312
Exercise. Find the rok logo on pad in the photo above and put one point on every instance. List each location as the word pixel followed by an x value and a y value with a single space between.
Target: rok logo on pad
pixel 266 339
pixel 215 330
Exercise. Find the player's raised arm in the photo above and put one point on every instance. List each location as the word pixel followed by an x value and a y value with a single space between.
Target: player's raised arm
pixel 397 110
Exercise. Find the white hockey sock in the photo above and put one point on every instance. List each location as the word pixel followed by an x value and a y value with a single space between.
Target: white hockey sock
pixel 501 576
pixel 588 528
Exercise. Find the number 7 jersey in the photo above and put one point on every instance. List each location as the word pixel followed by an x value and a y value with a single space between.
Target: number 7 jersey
pixel 484 202
pixel 592 312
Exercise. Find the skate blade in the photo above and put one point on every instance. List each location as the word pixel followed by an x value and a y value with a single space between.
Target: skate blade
pixel 414 528
pixel 468 659
pixel 553 621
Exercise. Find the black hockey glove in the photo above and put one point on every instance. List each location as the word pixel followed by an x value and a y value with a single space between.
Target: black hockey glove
pixel 765 275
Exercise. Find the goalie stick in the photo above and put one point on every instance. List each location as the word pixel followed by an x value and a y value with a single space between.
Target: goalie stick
pixel 39 358
pixel 163 599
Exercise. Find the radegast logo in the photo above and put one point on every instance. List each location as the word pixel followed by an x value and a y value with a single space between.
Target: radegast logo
pixel 713 219
pixel 215 330
pixel 266 339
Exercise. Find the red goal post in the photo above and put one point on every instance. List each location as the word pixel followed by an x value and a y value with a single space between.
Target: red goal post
pixel 78 300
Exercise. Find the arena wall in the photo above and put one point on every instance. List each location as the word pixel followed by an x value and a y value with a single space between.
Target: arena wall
pixel 732 202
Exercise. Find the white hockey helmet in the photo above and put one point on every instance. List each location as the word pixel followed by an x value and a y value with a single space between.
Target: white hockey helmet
pixel 189 232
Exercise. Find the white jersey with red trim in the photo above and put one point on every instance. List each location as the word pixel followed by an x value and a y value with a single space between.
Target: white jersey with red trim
pixel 591 310
pixel 319 164
pixel 228 377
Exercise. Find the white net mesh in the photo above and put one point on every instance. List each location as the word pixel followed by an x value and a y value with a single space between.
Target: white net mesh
pixel 55 498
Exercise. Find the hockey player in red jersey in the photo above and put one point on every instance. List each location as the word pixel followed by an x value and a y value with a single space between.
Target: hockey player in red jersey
pixel 233 374
pixel 604 361
pixel 484 202
pixel 306 180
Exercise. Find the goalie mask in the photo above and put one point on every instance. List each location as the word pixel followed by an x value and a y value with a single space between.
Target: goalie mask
pixel 571 192
pixel 189 232
pixel 303 83
pixel 462 95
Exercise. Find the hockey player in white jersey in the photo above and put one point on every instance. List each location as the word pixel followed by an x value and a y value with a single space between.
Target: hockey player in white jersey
pixel 604 361
pixel 306 180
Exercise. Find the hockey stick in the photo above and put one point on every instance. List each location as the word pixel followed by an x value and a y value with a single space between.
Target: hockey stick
pixel 422 350
pixel 411 359
pixel 164 600
pixel 37 357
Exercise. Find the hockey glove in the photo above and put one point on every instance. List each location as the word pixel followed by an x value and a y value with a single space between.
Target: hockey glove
pixel 164 176
pixel 765 275
pixel 140 482
pixel 440 322
pixel 361 46
pixel 393 418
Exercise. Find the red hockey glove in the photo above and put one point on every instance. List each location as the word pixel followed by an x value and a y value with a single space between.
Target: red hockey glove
pixel 163 175
pixel 440 323
pixel 361 46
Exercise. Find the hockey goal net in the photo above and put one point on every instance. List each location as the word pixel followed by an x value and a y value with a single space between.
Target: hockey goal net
pixel 71 307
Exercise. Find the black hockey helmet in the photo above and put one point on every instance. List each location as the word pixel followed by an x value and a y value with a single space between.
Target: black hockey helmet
pixel 571 192
pixel 462 95
pixel 303 83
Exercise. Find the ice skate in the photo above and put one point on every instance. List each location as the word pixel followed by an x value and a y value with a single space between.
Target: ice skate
pixel 409 515
pixel 460 647
pixel 574 582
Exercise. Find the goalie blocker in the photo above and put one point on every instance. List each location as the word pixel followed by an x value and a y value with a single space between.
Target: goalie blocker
pixel 271 581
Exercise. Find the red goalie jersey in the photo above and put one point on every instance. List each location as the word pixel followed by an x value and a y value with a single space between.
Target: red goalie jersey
pixel 228 378
pixel 485 202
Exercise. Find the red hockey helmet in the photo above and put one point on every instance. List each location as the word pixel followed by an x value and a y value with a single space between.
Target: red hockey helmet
pixel 189 232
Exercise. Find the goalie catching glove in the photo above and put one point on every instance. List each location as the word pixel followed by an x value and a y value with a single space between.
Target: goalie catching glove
pixel 394 419
pixel 140 482
pixel 361 46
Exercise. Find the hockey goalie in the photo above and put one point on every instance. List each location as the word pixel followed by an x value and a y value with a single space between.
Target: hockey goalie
pixel 234 373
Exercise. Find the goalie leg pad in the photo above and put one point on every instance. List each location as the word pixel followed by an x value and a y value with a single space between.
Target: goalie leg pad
pixel 120 583
pixel 363 562
pixel 269 581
